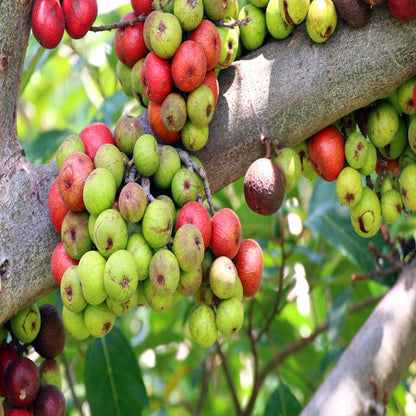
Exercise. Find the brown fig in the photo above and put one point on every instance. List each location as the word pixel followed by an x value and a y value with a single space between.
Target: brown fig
pixel 355 12
pixel 264 186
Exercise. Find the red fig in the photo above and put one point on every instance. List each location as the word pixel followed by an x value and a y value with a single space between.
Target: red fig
pixel 402 9
pixel 79 16
pixel 48 22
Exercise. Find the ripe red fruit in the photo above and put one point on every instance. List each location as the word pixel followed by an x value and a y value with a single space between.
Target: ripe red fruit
pixel 56 206
pixel 206 34
pixel 129 42
pixel 60 261
pixel 195 213
pixel 79 16
pixel 22 382
pixel 71 179
pixel 226 233
pixel 390 164
pixel 50 341
pixel 48 23
pixel 249 264
pixel 402 9
pixel 142 6
pixel 93 136
pixel 7 355
pixel 154 113
pixel 189 66
pixel 156 77
pixel 326 151
pixel 212 81
pixel 18 412
pixel 50 401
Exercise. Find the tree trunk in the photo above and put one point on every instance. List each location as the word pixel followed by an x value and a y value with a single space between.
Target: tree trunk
pixel 286 90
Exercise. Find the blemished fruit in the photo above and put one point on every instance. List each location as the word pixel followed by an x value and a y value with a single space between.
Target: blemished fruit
pixel 25 325
pixel 146 155
pixel 48 24
pixel 326 151
pixel 189 13
pixel 141 252
pixel 252 34
pixel 109 157
pixel 264 186
pixel 174 112
pixel 60 261
pixel 202 325
pixel 50 341
pixel 126 131
pixel 132 202
pixel 79 16
pixel 75 234
pixel 223 277
pixel 407 186
pixel 200 105
pixel 194 138
pixel 229 316
pixel 217 9
pixel 99 320
pixel 349 186
pixel 71 291
pixel 321 20
pixel 307 168
pixel 382 124
pixel 294 12
pixel 249 265
pixel 366 214
pixel 226 233
pixel 164 272
pixel 184 187
pixel 50 372
pixel 356 150
pixel 275 23
pixel 154 112
pixel 50 401
pixel 158 303
pixel 22 382
pixel 391 205
pixel 71 179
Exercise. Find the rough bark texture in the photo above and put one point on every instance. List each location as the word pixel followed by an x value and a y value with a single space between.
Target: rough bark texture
pixel 286 90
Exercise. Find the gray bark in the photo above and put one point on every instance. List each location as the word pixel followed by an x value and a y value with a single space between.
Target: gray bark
pixel 287 90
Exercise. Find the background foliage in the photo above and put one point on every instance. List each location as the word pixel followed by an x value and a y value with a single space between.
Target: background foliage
pixel 307 310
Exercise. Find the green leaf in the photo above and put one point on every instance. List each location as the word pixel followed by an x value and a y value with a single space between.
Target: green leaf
pixel 113 381
pixel 331 220
pixel 282 402
pixel 337 314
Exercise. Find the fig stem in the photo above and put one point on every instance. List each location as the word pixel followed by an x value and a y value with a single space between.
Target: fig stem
pixel 242 22
pixel 194 166
pixel 145 183
pixel 117 25
pixel 131 174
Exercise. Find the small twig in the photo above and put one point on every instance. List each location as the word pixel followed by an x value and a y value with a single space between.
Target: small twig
pixel 70 379
pixel 234 23
pixel 145 183
pixel 117 25
pixel 205 383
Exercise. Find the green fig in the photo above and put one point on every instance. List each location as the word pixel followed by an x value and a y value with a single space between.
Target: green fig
pixel 275 24
pixel 391 206
pixel 126 132
pixel 99 191
pixel 321 20
pixel 356 150
pixel 146 155
pixel 223 277
pixel 109 156
pixel 366 214
pixel 169 164
pixel 294 12
pixel 229 316
pixel 164 272
pixel 252 34
pixel 141 252
pixel 71 144
pixel 25 324
pixel 408 186
pixel 99 320
pixel 202 326
pixel 71 291
pixel 382 124
pixel 74 323
pixel 157 302
pixel 184 187
pixel 349 186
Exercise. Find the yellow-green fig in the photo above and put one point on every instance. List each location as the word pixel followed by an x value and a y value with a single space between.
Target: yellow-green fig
pixel 366 214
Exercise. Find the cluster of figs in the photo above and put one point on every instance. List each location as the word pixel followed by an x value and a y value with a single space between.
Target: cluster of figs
pixel 370 154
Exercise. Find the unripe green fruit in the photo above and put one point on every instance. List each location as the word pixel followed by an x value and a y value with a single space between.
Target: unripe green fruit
pixel 217 9
pixel 71 144
pixel 239 291
pixel 126 131
pixel 366 215
pixel 382 124
pixel 200 105
pixel 91 276
pixel 301 149
pixel 110 232
pixel 169 164
pixel 189 282
pixel 371 161
pixel 356 150
pixel 141 252
pixel 229 316
pixel 252 34
pixel 321 20
pixel 75 234
pixel 289 163
pixel 294 12
pixel 411 134
pixel 399 143
pixel 157 302
pixel 349 186
pixel 165 35
pixel 184 187
pixel 189 13
pixel 173 112
pixel 50 373
pixel 275 24
pixel 121 308
pixel 188 247
pixel 157 223
pixel 99 191
pixel 223 277
pixel 74 324
pixel 194 138
pixel 391 206
pixel 71 291
pixel 25 325
pixel 202 326
pixel 164 272
pixel 120 275
pixel 99 320
pixel 408 186
pixel 388 182
pixel 108 156
pixel 204 296
pixel 229 45
pixel 405 95
pixel 406 158
pixel 123 73
pixel 146 155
